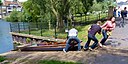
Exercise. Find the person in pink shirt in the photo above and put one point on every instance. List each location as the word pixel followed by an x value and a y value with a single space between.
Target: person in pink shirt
pixel 107 27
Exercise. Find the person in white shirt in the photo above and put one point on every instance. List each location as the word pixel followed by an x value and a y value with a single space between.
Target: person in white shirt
pixel 72 35
pixel 118 12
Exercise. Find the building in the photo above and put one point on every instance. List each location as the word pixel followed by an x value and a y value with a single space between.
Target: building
pixel 9 5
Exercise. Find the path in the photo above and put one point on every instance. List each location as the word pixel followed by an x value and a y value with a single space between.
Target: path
pixel 119 38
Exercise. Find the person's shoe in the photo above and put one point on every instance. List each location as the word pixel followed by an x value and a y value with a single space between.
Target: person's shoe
pixel 64 50
pixel 100 45
pixel 85 49
pixel 90 49
pixel 104 46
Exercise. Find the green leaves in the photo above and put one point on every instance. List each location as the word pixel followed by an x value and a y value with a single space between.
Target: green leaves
pixel 87 4
pixel 2 58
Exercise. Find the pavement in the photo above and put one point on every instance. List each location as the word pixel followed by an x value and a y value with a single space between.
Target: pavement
pixel 118 41
pixel 119 37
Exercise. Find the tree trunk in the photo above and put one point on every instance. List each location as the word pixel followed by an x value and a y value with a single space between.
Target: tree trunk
pixel 110 11
pixel 49 24
pixel 60 22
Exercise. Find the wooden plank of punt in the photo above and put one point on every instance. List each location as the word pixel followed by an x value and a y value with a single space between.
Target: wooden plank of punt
pixel 43 48
pixel 22 46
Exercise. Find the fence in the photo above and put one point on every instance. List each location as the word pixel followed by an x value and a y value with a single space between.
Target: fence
pixel 48 29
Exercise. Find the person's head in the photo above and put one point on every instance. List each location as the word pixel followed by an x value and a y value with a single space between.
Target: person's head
pixel 125 8
pixel 112 19
pixel 114 8
pixel 98 23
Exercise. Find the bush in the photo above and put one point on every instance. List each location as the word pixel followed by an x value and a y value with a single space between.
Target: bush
pixel 28 40
pixel 2 58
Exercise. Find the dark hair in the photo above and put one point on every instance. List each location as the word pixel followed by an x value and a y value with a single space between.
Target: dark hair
pixel 99 22
pixel 125 7
pixel 109 18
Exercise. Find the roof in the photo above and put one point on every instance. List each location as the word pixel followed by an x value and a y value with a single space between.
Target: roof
pixel 6 3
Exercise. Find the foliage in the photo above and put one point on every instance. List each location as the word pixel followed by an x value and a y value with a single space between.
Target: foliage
pixel 1 3
pixel 97 7
pixel 55 9
pixel 102 5
pixel 13 16
pixel 28 40
pixel 55 62
pixel 2 58
pixel 87 5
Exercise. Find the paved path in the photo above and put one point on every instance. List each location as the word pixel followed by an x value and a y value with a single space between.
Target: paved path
pixel 119 38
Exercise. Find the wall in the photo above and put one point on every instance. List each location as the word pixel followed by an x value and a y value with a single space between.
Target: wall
pixel 6 42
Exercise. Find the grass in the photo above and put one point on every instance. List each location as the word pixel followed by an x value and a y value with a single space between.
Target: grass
pixel 2 58
pixel 90 17
pixel 46 33
pixel 55 62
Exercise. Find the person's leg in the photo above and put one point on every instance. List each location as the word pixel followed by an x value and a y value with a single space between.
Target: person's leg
pixel 95 42
pixel 67 44
pixel 88 42
pixel 79 47
pixel 105 36
pixel 78 41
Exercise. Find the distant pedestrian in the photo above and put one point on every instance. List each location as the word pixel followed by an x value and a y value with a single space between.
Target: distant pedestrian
pixel 124 13
pixel 107 28
pixel 114 12
pixel 118 12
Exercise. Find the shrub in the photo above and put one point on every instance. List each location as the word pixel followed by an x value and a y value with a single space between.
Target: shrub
pixel 2 58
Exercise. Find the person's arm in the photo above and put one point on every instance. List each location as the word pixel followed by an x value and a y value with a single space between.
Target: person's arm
pixel 99 32
pixel 89 28
pixel 104 24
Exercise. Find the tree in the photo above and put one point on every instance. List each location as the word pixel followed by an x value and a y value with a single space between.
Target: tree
pixel 87 5
pixel 13 17
pixel 60 8
pixel 31 9
pixel 41 8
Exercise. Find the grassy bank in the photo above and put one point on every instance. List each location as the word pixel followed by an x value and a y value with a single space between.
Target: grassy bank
pixel 2 58
pixel 55 62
